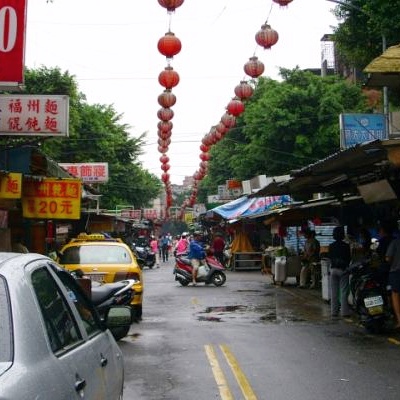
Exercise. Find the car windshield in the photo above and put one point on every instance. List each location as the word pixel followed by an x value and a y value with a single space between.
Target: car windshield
pixel 5 324
pixel 96 254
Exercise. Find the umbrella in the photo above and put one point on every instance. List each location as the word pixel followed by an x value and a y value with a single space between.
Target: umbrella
pixel 385 69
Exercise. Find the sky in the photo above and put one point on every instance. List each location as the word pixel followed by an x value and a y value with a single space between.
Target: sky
pixel 111 49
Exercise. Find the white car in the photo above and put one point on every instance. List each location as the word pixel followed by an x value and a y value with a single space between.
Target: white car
pixel 52 342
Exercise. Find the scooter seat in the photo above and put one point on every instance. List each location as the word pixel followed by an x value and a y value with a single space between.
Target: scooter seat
pixel 185 260
pixel 102 292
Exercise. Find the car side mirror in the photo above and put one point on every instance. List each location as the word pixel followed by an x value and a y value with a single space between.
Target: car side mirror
pixel 118 316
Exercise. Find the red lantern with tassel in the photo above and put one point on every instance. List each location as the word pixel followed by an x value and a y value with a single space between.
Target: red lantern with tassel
pixel 162 149
pixel 266 37
pixel 204 148
pixel 168 78
pixel 235 107
pixel 170 5
pixel 204 156
pixel 254 67
pixel 221 128
pixel 164 142
pixel 165 167
pixel 244 90
pixel 165 177
pixel 169 45
pixel 165 114
pixel 166 99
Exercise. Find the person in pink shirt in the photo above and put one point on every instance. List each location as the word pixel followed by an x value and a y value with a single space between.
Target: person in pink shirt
pixel 154 249
pixel 182 246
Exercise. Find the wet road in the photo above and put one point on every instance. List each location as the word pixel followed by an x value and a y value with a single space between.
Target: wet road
pixel 251 340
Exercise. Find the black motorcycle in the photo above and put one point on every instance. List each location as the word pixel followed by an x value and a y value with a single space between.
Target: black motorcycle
pixel 144 255
pixel 369 297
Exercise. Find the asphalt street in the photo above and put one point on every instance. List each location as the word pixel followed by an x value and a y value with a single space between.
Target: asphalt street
pixel 251 340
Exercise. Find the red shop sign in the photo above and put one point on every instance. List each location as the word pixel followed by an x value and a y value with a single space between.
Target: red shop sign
pixel 12 41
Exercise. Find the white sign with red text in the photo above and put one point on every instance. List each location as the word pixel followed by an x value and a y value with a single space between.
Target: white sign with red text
pixel 34 115
pixel 12 42
pixel 88 172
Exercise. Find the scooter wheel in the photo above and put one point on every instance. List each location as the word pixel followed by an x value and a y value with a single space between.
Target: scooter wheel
pixel 183 282
pixel 218 278
pixel 119 332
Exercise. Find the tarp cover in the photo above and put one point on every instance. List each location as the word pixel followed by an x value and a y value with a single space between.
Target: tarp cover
pixel 245 207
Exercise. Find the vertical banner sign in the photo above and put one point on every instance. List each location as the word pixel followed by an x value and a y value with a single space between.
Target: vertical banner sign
pixel 10 186
pixel 52 199
pixel 12 41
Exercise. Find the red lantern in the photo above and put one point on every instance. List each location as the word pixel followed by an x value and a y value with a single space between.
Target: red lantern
pixel 164 142
pixel 169 45
pixel 203 165
pixel 162 149
pixel 244 90
pixel 170 5
pixel 221 128
pixel 282 3
pixel 165 167
pixel 235 107
pixel 164 135
pixel 254 67
pixel 165 114
pixel 164 158
pixel 165 126
pixel 168 78
pixel 207 140
pixel 166 99
pixel 228 120
pixel 204 148
pixel 266 37
pixel 165 177
pixel 204 156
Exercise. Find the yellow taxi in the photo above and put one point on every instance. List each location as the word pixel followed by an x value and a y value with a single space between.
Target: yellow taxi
pixel 104 259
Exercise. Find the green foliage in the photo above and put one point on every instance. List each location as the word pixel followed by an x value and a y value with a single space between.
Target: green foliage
pixel 358 36
pixel 286 125
pixel 96 134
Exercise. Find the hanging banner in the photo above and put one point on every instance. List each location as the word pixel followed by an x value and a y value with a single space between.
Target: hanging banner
pixel 11 186
pixel 88 172
pixel 52 199
pixel 34 115
pixel 12 42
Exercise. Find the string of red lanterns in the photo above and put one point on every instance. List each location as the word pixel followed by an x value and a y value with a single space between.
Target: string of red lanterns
pixel 266 37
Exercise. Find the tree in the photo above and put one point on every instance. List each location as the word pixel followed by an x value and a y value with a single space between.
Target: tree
pixel 286 125
pixel 365 22
pixel 96 134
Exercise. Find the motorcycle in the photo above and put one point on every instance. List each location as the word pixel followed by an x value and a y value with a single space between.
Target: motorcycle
pixel 212 272
pixel 105 295
pixel 369 297
pixel 145 257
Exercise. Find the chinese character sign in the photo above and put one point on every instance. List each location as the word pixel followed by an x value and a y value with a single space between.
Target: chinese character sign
pixel 361 128
pixel 34 115
pixel 52 199
pixel 12 41
pixel 88 172
pixel 150 213
pixel 10 186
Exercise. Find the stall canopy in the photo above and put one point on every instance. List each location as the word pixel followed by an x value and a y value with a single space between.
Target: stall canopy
pixel 248 207
pixel 385 69
pixel 341 173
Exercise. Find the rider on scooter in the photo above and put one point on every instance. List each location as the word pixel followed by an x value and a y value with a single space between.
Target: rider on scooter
pixel 196 255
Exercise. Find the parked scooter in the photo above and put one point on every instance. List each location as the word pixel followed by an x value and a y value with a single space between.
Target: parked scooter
pixel 369 297
pixel 212 272
pixel 105 295
pixel 144 255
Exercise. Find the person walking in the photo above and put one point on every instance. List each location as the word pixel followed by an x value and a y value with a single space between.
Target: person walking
pixel 196 255
pixel 218 246
pixel 339 254
pixel 393 258
pixel 154 249
pixel 310 258
pixel 164 247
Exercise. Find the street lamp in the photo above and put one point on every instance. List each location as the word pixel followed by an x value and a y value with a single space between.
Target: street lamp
pixel 385 89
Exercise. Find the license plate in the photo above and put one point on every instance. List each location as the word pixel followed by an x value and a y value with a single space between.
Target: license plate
pixel 96 277
pixel 375 310
pixel 373 301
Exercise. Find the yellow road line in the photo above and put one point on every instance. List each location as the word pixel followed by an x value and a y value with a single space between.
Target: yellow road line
pixel 239 374
pixel 219 376
pixel 394 341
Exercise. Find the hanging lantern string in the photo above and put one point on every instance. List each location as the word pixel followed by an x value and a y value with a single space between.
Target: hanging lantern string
pixel 269 14
pixel 169 21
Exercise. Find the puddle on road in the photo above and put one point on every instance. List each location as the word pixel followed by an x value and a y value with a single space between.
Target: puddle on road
pixel 209 319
